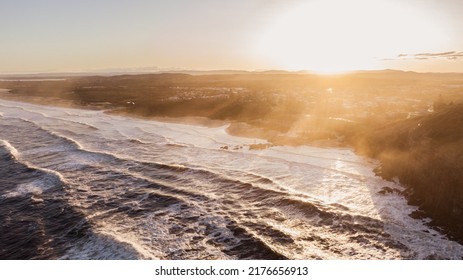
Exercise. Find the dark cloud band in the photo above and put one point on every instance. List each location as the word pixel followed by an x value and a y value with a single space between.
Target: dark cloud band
pixel 452 55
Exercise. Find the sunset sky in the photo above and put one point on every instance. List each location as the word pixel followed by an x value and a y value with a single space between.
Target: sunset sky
pixel 326 36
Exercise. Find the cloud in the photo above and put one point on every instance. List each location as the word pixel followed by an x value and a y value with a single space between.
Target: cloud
pixel 451 55
pixel 444 54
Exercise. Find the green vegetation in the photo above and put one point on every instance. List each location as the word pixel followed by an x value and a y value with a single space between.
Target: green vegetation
pixel 412 123
pixel 426 155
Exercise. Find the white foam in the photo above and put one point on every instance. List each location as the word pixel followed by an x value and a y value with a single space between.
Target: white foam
pixel 48 180
pixel 23 190
pixel 325 175
pixel 12 150
pixel 104 246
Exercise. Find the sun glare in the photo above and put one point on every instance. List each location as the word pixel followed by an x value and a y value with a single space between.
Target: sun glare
pixel 332 36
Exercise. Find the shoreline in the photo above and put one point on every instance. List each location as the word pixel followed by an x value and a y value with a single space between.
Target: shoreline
pixel 239 129
pixel 286 171
pixel 235 128
pixel 5 94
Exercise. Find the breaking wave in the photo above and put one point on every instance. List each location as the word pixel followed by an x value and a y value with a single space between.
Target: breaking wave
pixel 79 184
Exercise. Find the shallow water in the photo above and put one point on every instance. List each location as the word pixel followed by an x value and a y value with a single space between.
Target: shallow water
pixel 79 184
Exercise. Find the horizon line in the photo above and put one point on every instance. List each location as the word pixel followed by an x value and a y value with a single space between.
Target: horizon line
pixel 173 70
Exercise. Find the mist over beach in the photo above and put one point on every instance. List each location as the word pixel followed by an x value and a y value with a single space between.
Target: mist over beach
pixel 243 130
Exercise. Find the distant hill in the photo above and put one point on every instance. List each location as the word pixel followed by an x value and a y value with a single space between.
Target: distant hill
pixel 385 74
pixel 141 71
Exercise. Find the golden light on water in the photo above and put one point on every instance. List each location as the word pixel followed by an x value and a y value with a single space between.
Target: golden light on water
pixel 333 36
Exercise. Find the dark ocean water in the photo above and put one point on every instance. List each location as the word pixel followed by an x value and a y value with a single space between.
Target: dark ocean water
pixel 77 184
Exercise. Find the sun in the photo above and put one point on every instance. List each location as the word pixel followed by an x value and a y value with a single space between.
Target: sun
pixel 333 36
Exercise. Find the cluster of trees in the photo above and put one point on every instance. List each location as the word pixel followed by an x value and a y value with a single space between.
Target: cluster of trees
pixel 426 155
pixel 425 152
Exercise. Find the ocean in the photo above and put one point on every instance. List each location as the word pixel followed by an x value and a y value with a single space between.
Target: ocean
pixel 83 184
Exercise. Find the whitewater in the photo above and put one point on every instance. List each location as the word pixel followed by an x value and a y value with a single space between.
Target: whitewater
pixel 84 184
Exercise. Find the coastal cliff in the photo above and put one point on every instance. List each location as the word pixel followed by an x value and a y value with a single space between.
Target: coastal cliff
pixel 425 154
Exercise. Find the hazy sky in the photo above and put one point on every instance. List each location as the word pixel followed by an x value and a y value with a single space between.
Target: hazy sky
pixel 320 35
